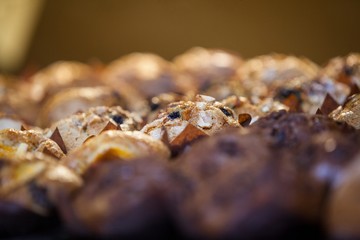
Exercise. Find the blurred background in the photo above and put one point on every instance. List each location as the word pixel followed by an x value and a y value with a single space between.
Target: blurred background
pixel 34 33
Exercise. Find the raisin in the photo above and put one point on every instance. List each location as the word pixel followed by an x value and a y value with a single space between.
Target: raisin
pixel 174 115
pixel 118 119
pixel 226 112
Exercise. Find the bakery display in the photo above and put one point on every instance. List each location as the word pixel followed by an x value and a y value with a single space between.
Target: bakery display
pixel 207 146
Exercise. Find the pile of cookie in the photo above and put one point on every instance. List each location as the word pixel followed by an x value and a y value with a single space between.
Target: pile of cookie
pixel 207 146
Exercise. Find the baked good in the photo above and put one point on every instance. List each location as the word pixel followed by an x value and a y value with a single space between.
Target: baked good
pixel 121 144
pixel 269 180
pixel 14 143
pixel 185 121
pixel 78 99
pixel 77 128
pixel 289 129
pixel 160 102
pixel 242 105
pixel 281 76
pixel 135 210
pixel 57 76
pixel 342 216
pixel 339 74
pixel 26 192
pixel 208 71
pixel 140 76
pixel 276 158
pixel 349 112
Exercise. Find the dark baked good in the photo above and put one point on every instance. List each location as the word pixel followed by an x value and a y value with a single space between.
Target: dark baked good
pixel 289 129
pixel 343 211
pixel 231 187
pixel 270 181
pixel 127 200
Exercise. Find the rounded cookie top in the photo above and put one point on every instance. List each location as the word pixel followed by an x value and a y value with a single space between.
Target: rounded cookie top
pixel 75 129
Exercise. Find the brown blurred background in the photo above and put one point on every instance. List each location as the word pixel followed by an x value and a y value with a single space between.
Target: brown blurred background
pixel 106 29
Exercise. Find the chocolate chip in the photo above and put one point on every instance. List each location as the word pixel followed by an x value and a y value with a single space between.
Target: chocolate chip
pixel 226 112
pixel 118 119
pixel 174 115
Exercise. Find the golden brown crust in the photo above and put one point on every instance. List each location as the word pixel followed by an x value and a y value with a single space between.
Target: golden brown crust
pixel 204 113
pixel 123 144
pixel 57 76
pixel 208 71
pixel 349 113
pixel 75 129
pixel 73 100
pixel 30 171
pixel 14 143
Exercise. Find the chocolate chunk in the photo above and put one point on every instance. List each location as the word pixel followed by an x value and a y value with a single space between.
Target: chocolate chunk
pixel 185 138
pixel 329 104
pixel 56 137
pixel 318 112
pixel 354 89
